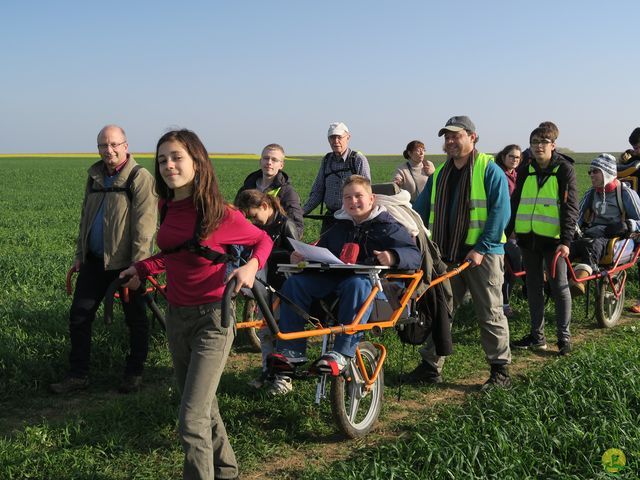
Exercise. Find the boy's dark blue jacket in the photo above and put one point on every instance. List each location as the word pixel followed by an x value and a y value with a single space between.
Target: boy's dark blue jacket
pixel 380 232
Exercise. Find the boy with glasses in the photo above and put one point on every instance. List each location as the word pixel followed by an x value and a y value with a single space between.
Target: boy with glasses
pixel 544 210
pixel 272 180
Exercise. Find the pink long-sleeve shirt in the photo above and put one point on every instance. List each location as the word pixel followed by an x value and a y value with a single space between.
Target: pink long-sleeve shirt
pixel 192 279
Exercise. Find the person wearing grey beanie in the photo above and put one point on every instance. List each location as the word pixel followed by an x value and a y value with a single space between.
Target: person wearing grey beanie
pixel 610 208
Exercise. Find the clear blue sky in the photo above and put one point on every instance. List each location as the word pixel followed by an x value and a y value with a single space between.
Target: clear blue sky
pixel 246 73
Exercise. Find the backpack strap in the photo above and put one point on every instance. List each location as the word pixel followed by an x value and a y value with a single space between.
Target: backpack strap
pixel 623 212
pixel 349 167
pixel 126 188
pixel 193 245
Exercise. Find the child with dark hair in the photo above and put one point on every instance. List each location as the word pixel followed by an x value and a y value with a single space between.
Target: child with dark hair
pixel 265 211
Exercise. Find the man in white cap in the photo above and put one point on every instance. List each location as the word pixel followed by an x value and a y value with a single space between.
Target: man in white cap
pixel 336 167
pixel 466 203
pixel 610 208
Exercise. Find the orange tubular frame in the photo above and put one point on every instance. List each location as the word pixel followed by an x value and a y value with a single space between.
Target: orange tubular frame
pixel 606 273
pixel 355 326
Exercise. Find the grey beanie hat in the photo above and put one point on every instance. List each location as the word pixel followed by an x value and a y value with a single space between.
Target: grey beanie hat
pixel 606 163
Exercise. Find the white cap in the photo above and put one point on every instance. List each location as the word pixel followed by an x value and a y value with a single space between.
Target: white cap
pixel 337 128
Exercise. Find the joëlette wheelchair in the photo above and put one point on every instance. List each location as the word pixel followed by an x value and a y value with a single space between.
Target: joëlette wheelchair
pixel 610 280
pixel 356 394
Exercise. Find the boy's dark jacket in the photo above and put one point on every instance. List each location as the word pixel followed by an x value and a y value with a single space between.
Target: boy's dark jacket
pixel 568 195
pixel 382 232
pixel 280 230
pixel 288 197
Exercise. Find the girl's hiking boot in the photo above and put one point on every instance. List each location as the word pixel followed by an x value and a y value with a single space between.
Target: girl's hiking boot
pixel 529 342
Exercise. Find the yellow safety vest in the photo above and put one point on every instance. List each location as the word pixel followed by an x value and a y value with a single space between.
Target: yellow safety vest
pixel 477 203
pixel 539 208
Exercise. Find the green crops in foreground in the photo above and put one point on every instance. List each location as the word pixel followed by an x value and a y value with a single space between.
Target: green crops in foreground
pixel 556 424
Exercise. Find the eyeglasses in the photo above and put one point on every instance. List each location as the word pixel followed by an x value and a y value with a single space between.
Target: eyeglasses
pixel 544 141
pixel 105 146
pixel 593 171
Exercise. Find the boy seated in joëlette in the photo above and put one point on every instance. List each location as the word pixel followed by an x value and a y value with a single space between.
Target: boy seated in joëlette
pixel 382 241
pixel 608 209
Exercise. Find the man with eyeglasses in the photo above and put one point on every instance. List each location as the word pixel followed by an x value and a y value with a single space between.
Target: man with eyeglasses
pixel 117 225
pixel 336 167
pixel 466 202
pixel 544 211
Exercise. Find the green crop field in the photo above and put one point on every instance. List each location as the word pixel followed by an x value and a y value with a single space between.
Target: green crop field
pixel 556 422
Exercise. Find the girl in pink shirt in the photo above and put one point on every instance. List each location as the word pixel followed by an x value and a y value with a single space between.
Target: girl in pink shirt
pixel 196 225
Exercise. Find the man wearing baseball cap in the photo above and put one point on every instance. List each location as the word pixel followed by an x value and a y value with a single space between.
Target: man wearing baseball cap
pixel 336 167
pixel 466 204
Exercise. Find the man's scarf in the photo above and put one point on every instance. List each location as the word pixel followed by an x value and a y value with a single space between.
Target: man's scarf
pixel 450 241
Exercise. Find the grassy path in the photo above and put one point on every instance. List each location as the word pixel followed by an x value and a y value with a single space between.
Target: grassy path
pixel 398 419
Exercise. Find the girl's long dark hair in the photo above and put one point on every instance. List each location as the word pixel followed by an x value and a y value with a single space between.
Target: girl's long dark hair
pixel 207 198
pixel 254 198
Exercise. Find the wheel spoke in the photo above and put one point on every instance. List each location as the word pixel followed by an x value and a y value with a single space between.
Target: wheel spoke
pixel 353 408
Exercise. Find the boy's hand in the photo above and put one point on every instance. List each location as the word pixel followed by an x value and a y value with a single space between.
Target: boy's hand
pixel 385 258
pixel 296 257
pixel 564 250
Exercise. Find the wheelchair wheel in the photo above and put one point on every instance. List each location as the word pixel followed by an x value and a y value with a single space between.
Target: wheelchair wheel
pixel 356 409
pixel 249 314
pixel 608 308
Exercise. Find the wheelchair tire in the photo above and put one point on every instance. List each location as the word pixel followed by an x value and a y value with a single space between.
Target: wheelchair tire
pixel 249 315
pixel 355 410
pixel 608 308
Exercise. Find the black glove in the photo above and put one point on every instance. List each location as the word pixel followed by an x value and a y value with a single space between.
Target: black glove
pixel 619 229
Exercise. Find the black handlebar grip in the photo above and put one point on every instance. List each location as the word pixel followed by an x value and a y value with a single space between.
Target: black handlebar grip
pixel 108 298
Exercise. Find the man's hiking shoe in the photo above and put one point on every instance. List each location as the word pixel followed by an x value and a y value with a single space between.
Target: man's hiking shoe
pixel 331 363
pixel 130 384
pixel 69 384
pixel 564 347
pixel 281 385
pixel 499 378
pixel 423 373
pixel 529 342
